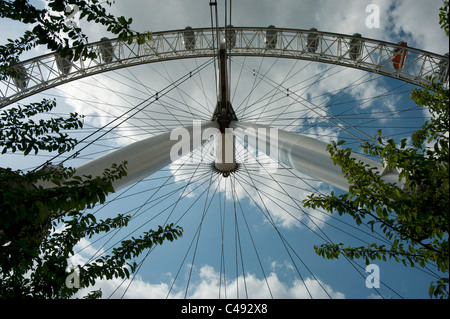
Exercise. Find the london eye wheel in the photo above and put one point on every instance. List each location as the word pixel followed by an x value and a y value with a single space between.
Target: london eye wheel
pixel 224 130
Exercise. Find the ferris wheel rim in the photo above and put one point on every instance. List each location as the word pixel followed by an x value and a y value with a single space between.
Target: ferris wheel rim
pixel 50 70
pixel 104 70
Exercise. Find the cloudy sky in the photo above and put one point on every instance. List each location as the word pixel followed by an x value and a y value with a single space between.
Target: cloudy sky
pixel 248 235
pixel 399 20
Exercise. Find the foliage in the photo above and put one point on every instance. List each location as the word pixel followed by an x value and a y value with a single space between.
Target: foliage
pixel 444 17
pixel 28 136
pixel 50 28
pixel 43 211
pixel 34 250
pixel 415 217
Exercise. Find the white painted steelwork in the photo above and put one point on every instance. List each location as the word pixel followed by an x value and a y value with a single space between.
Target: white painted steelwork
pixel 150 155
pixel 47 71
pixel 305 154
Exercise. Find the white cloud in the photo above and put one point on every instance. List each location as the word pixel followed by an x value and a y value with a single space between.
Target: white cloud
pixel 399 20
pixel 210 285
pixel 277 195
pixel 260 288
pixel 84 251
pixel 206 283
pixel 275 265
pixel 423 29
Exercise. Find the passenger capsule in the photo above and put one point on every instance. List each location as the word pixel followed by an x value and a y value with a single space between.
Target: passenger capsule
pixel 399 56
pixel 356 45
pixel 189 39
pixel 230 37
pixel 312 41
pixel 64 65
pixel 20 77
pixel 271 37
pixel 106 50
pixel 444 69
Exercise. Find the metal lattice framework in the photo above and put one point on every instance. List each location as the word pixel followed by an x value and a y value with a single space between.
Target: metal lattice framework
pixel 294 150
pixel 393 60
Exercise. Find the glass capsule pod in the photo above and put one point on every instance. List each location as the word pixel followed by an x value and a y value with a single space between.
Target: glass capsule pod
pixel 312 41
pixel 189 39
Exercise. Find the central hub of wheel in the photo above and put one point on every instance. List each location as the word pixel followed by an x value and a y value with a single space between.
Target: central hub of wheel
pixel 223 114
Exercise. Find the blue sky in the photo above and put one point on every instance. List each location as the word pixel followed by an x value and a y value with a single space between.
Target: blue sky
pixel 237 244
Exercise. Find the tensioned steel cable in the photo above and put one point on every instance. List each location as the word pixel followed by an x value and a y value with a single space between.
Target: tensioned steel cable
pixel 133 216
pixel 353 263
pixel 163 92
pixel 222 210
pixel 254 247
pixel 367 100
pixel 275 85
pixel 284 90
pixel 238 240
pixel 135 110
pixel 254 86
pixel 205 209
pixel 287 245
pixel 152 249
pixel 169 106
pixel 285 242
pixel 197 233
pixel 296 254
pixel 272 222
pixel 214 29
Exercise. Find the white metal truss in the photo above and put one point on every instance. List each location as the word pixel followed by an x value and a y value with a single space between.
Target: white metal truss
pixel 393 60
pixel 306 155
